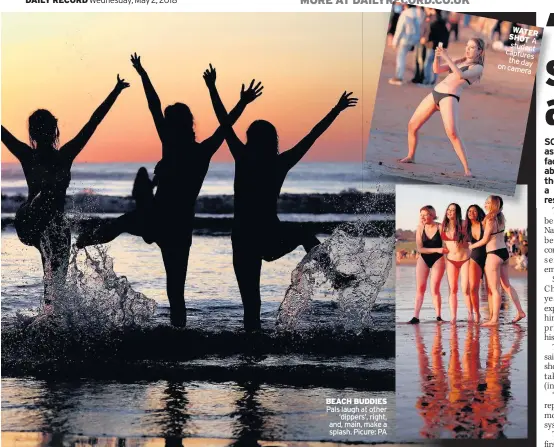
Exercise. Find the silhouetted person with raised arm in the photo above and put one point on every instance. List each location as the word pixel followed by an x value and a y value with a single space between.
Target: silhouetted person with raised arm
pixel 40 222
pixel 168 217
pixel 260 171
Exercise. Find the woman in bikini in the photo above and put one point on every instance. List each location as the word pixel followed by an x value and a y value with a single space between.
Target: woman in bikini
pixel 475 232
pixel 457 265
pixel 41 220
pixel 445 97
pixel 497 262
pixel 429 245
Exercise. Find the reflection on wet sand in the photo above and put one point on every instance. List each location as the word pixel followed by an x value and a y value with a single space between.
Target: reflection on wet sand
pixel 463 399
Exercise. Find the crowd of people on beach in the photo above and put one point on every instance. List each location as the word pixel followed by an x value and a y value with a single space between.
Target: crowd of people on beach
pixel 165 204
pixel 422 30
pixel 470 250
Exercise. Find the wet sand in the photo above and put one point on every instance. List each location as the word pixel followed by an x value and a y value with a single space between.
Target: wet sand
pixel 459 381
pixel 493 117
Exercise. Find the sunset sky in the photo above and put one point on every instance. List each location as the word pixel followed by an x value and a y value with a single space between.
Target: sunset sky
pixel 67 63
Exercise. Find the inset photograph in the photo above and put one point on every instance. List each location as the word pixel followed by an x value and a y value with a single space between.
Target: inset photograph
pixel 453 99
pixel 461 322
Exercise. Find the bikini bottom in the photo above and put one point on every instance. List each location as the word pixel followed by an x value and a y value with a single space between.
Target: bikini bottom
pixel 458 264
pixel 502 253
pixel 437 96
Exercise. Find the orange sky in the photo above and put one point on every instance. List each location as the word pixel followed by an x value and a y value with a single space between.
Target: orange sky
pixel 67 63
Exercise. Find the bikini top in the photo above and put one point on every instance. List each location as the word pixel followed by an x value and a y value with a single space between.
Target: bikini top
pixel 498 232
pixel 445 237
pixel 434 242
pixel 462 69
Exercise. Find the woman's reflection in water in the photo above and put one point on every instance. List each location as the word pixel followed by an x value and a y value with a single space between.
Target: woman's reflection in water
pixel 465 401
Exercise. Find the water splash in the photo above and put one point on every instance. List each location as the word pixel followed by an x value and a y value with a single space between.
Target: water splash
pixel 92 298
pixel 349 266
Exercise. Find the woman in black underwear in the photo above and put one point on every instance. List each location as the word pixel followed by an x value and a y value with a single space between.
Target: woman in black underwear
pixel 41 221
pixel 497 262
pixel 457 265
pixel 168 218
pixel 475 231
pixel 260 171
pixel 445 97
pixel 429 246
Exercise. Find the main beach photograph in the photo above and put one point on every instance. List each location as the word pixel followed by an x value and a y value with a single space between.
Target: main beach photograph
pixel 188 248
pixel 461 313
pixel 453 99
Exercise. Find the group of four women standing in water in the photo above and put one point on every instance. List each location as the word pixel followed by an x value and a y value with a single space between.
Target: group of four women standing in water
pixel 468 250
pixel 166 217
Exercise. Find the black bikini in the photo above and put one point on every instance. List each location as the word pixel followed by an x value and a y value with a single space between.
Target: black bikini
pixel 479 254
pixel 437 96
pixel 434 242
pixel 502 253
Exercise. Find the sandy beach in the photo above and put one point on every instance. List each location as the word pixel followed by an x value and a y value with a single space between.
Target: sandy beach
pixel 493 117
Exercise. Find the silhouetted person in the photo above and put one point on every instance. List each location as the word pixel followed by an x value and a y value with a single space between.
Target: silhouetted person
pixel 260 171
pixel 168 217
pixel 41 222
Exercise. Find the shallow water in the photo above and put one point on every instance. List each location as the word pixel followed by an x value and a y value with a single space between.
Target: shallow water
pixel 459 381
pixel 116 179
pixel 210 380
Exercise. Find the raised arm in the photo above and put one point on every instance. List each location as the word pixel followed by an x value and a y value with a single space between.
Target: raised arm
pixel 294 155
pixel 225 120
pixel 213 143
pixel 437 66
pixel 18 149
pixel 75 146
pixel 452 65
pixel 154 103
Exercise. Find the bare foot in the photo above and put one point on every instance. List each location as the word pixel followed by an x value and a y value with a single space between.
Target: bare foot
pixel 453 321
pixel 470 318
pixel 468 174
pixel 478 318
pixel 490 323
pixel 406 160
pixel 518 317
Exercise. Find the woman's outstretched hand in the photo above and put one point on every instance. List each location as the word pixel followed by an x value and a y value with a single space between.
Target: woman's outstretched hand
pixel 135 60
pixel 346 101
pixel 440 51
pixel 121 84
pixel 210 76
pixel 252 92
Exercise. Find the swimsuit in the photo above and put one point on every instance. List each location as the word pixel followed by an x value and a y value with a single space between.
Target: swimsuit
pixel 434 242
pixel 502 253
pixel 438 96
pixel 456 264
pixel 479 254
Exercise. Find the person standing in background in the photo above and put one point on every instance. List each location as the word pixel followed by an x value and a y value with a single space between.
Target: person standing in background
pixel 396 10
pixel 419 48
pixel 434 32
pixel 453 21
pixel 406 36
